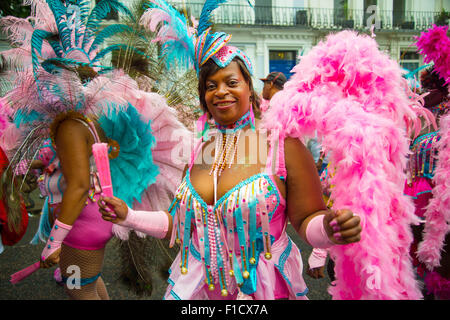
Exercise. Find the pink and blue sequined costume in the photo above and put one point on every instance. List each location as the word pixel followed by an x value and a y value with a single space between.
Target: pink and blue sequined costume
pixel 239 241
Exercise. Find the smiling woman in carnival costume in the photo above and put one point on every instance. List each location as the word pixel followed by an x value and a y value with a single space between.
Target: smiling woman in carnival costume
pixel 67 95
pixel 230 214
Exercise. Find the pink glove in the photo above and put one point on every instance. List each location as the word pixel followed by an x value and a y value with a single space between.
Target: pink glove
pixel 316 234
pixel 153 223
pixel 317 258
pixel 57 235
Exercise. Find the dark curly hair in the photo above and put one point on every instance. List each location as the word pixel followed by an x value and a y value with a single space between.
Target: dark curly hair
pixel 430 80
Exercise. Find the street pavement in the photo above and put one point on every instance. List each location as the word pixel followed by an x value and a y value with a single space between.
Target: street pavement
pixel 41 286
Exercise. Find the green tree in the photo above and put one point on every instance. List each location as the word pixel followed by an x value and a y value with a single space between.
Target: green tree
pixel 442 18
pixel 14 8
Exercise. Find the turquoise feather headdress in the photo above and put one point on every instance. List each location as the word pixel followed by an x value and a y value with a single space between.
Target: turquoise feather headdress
pixel 78 37
pixel 185 45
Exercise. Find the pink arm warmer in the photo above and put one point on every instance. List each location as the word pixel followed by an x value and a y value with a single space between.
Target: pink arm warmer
pixel 57 235
pixel 153 223
pixel 316 234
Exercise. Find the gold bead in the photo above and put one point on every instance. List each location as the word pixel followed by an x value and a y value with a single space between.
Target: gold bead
pixel 211 287
pixel 252 260
pixel 184 270
pixel 224 293
pixel 178 241
pixel 246 274
pixel 268 255
pixel 232 273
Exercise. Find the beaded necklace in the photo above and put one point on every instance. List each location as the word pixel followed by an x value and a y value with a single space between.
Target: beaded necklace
pixel 227 139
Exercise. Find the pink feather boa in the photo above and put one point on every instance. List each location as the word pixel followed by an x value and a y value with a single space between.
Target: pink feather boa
pixel 437 214
pixel 353 95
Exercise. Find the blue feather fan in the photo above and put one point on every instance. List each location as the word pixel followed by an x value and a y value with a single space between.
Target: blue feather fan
pixel 133 170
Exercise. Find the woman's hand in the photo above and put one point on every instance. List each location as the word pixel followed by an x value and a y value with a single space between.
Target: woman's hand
pixel 113 209
pixel 342 226
pixel 316 273
pixel 52 260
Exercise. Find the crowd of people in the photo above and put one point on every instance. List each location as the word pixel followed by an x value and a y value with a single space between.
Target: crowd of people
pixel 351 157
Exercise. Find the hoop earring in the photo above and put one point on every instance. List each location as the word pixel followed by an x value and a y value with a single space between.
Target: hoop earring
pixel 203 126
pixel 252 117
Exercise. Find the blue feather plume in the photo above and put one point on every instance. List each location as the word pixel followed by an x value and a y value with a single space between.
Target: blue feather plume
pixel 85 8
pixel 208 8
pixel 101 10
pixel 59 11
pixel 177 43
pixel 37 40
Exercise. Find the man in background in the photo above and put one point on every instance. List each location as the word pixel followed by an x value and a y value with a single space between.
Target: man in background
pixel 273 83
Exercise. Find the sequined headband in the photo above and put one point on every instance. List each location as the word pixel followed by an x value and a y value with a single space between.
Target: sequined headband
pixel 213 46
pixel 226 54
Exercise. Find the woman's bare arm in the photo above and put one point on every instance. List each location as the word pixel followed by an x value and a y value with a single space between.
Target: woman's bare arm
pixel 304 191
pixel 305 201
pixel 73 145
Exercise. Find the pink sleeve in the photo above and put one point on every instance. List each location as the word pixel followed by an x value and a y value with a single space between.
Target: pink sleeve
pixel 153 223
pixel 317 258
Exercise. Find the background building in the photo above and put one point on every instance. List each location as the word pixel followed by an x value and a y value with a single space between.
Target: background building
pixel 275 33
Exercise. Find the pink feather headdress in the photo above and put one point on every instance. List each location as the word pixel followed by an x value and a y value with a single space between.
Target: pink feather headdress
pixel 354 97
pixel 434 45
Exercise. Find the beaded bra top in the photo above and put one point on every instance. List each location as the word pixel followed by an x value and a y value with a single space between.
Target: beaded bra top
pixel 238 224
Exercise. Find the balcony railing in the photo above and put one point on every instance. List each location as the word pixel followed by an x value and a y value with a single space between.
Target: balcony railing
pixel 315 18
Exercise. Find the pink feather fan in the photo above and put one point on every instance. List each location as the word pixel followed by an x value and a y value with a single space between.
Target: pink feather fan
pixel 354 97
